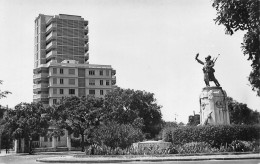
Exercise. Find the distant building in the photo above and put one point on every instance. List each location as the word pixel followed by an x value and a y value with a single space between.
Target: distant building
pixel 61 66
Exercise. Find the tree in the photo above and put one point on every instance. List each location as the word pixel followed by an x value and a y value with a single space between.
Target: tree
pixel 243 15
pixel 126 106
pixel 26 122
pixel 117 135
pixel 78 115
pixel 3 93
pixel 241 114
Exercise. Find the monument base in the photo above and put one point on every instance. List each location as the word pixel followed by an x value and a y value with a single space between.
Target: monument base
pixel 213 107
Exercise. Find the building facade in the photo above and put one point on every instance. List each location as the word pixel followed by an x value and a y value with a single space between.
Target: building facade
pixel 61 66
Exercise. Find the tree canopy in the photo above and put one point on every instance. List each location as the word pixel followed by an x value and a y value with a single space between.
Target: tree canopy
pixel 126 106
pixel 241 114
pixel 3 93
pixel 78 115
pixel 25 121
pixel 243 15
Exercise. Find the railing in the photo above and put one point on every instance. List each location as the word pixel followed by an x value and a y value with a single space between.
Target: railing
pixel 51 53
pixel 37 96
pixel 43 85
pixel 50 45
pixel 52 34
pixel 50 26
pixel 99 66
pixel 35 76
pixel 40 75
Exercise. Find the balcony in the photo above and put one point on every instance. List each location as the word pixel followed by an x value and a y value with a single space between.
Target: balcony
pixel 50 27
pixel 113 80
pixel 51 35
pixel 86 47
pixel 38 96
pixel 86 29
pixel 36 76
pixel 86 38
pixel 113 72
pixel 86 56
pixel 51 44
pixel 40 77
pixel 41 85
pixel 51 54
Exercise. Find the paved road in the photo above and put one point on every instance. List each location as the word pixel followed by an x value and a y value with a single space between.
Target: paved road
pixel 31 159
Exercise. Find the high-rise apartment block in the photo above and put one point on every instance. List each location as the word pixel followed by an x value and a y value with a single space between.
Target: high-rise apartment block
pixel 61 65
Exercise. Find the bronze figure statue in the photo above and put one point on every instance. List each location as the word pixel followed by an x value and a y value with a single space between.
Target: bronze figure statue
pixel 208 70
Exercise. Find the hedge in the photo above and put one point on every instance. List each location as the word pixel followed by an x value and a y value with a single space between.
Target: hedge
pixel 215 135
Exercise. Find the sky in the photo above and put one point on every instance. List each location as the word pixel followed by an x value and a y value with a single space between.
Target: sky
pixel 150 43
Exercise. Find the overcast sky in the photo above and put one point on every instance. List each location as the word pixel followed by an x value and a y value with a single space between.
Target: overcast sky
pixel 151 44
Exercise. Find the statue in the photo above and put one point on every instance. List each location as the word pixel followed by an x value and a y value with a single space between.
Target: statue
pixel 208 70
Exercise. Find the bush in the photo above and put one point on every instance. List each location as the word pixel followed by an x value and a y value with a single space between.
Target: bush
pixel 117 135
pixel 106 150
pixel 241 146
pixel 215 135
pixel 196 147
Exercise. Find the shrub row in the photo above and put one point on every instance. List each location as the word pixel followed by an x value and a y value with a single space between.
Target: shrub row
pixel 215 135
pixel 187 148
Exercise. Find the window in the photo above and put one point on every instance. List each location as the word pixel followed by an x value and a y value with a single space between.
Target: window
pixel 101 82
pixel 72 91
pixel 91 72
pixel 91 81
pixel 61 81
pixel 61 71
pixel 107 82
pixel 54 90
pixel 54 80
pixel 92 92
pixel 101 72
pixel 54 70
pixel 54 101
pixel 71 81
pixel 50 139
pixel 61 91
pixel 107 72
pixel 72 71
pixel 107 91
pixel 101 92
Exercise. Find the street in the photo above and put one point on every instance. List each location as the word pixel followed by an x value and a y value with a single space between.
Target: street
pixel 31 159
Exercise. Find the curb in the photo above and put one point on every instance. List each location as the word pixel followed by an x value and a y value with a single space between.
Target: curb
pixel 93 160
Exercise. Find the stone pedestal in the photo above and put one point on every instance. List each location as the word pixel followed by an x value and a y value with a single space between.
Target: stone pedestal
pixel 213 107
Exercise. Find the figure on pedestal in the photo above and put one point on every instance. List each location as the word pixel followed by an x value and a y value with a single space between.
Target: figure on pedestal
pixel 208 70
pixel 213 100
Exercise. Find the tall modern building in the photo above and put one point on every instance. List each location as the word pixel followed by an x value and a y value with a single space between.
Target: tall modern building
pixel 61 66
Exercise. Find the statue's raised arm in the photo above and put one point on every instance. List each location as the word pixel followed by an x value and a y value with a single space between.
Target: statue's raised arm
pixel 196 58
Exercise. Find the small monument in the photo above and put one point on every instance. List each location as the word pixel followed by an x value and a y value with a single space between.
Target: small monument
pixel 213 100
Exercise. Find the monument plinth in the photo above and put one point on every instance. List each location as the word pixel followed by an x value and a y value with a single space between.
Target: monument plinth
pixel 213 107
